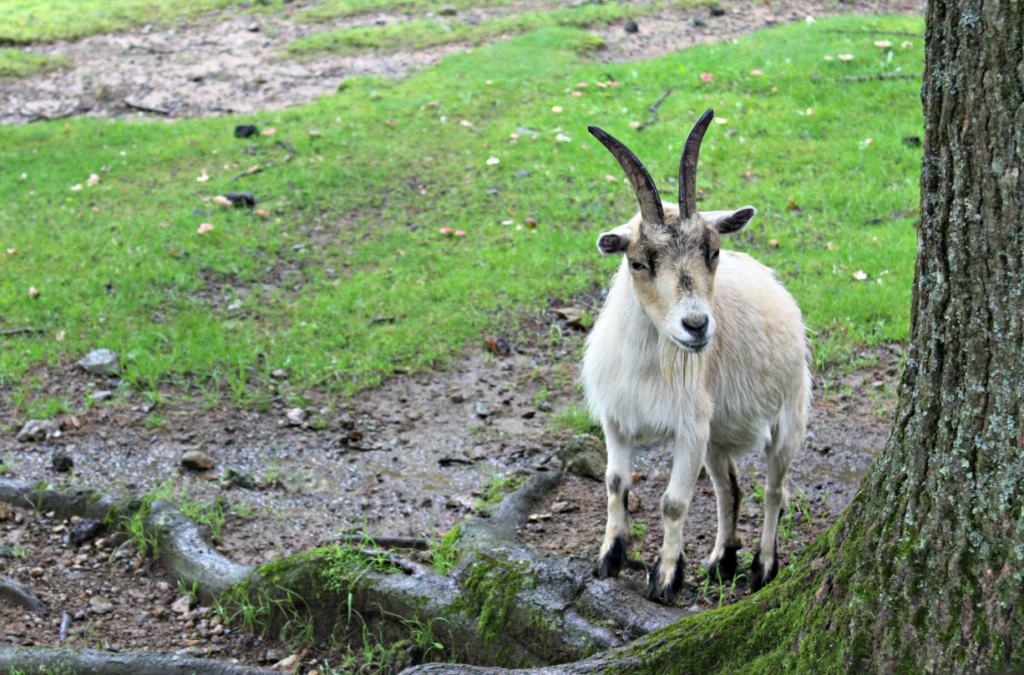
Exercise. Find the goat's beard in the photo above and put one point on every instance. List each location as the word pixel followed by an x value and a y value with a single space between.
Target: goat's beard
pixel 680 365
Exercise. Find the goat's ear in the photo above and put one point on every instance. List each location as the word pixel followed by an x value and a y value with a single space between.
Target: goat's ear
pixel 728 222
pixel 615 241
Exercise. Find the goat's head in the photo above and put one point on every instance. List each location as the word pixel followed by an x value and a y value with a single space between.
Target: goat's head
pixel 672 251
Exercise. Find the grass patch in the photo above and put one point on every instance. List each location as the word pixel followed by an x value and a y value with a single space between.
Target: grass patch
pixel 19 63
pixel 425 33
pixel 351 235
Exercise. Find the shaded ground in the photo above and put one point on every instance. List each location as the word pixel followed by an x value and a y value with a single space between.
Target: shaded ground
pixel 423 457
pixel 230 61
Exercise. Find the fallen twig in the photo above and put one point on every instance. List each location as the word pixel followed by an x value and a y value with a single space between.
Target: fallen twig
pixel 20 331
pixel 875 32
pixel 288 146
pixel 451 461
pixel 151 50
pixel 375 320
pixel 864 78
pixel 417 543
pixel 257 169
pixel 146 108
pixel 654 110
pixel 20 595
pixel 895 215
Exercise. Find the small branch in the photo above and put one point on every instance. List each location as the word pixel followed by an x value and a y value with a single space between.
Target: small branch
pixel 257 169
pixel 407 566
pixel 21 596
pixel 140 48
pixel 288 146
pixel 146 108
pixel 20 331
pixel 654 110
pixel 417 543
pixel 875 32
pixel 865 78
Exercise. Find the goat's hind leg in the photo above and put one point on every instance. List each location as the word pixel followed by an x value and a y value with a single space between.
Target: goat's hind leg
pixel 618 480
pixel 786 439
pixel 729 497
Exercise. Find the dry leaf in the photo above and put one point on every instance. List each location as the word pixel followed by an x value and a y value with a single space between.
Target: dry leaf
pixel 204 228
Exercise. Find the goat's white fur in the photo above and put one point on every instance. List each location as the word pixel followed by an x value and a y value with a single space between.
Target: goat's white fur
pixel 749 389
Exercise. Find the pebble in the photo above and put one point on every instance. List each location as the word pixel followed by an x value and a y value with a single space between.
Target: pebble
pixel 100 605
pixel 631 27
pixel 241 198
pixel 522 173
pixel 482 409
pixel 183 604
pixel 197 460
pixel 38 430
pixel 584 455
pixel 245 131
pixel 296 416
pixel 457 398
pixel 102 395
pixel 37 572
pixel 288 665
pixel 280 373
pixel 101 362
pixel 61 461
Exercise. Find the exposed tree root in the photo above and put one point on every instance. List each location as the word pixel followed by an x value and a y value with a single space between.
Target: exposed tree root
pixel 31 661
pixel 500 604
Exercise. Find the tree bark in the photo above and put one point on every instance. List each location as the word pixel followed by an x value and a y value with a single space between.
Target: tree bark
pixel 924 571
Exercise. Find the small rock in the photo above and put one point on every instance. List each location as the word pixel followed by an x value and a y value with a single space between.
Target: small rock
pixel 183 604
pixel 62 461
pixel 101 396
pixel 699 22
pixel 295 416
pixel 447 10
pixel 522 173
pixel 288 665
pixel 529 414
pixel 564 507
pixel 101 362
pixel 482 409
pixel 98 605
pixel 39 430
pixel 159 612
pixel 631 27
pixel 84 530
pixel 240 198
pixel 37 572
pixel 498 345
pixel 142 619
pixel 717 11
pixel 457 398
pixel 197 460
pixel 544 406
pixel 413 416
pixel 245 130
pixel 584 455
pixel 242 480
pixel 253 27
pixel 4 514
pixel 354 436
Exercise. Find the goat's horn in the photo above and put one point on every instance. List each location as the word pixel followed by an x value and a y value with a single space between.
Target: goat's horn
pixel 688 166
pixel 643 184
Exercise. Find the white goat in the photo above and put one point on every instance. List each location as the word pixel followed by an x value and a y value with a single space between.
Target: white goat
pixel 701 348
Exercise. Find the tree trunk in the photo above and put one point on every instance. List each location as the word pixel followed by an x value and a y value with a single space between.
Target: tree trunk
pixel 924 571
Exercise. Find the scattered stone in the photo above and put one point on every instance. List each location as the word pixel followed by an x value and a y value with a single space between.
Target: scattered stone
pixel 240 199
pixel 717 11
pixel 101 362
pixel 631 27
pixel 698 22
pixel 457 398
pixel 280 373
pixel 84 530
pixel 522 173
pixel 159 612
pixel 529 414
pixel 447 10
pixel 564 507
pixel 584 455
pixel 346 420
pixel 4 514
pixel 498 345
pixel 39 430
pixel 253 27
pixel 184 604
pixel 142 619
pixel 102 395
pixel 37 572
pixel 295 416
pixel 245 130
pixel 544 406
pixel 61 461
pixel 306 482
pixel 288 665
pixel 413 416
pixel 197 460
pixel 354 436
pixel 98 605
pixel 635 502
pixel 242 480
pixel 482 409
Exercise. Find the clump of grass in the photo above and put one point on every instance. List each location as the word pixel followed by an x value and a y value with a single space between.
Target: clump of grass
pixel 575 419
pixel 20 63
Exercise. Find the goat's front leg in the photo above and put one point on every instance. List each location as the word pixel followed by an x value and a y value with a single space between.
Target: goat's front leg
pixel 618 479
pixel 666 579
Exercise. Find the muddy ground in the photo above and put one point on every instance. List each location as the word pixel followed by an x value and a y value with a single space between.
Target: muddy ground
pixel 233 61
pixel 422 459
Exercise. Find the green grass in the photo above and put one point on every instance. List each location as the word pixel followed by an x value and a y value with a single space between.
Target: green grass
pixel 352 226
pixel 18 63
pixel 425 33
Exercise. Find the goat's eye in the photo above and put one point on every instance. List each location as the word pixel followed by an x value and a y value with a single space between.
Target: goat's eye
pixel 637 265
pixel 714 256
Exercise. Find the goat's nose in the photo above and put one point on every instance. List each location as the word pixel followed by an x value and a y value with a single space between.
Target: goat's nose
pixel 695 323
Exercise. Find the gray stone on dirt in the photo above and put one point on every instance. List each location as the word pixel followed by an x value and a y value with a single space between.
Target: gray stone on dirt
pixel 522 173
pixel 482 409
pixel 84 530
pixel 631 27
pixel 447 10
pixel 197 460
pixel 101 362
pixel 242 480
pixel 296 416
pixel 183 604
pixel 98 605
pixel 457 398
pixel 61 461
pixel 39 430
pixel 306 482
pixel 584 455
pixel 101 396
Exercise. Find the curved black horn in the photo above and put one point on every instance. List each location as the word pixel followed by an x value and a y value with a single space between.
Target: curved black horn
pixel 643 185
pixel 688 166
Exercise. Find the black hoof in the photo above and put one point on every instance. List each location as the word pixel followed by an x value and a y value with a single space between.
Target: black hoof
pixel 761 576
pixel 667 594
pixel 724 569
pixel 613 561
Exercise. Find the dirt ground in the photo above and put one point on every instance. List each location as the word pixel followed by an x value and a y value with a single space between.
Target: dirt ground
pixel 235 62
